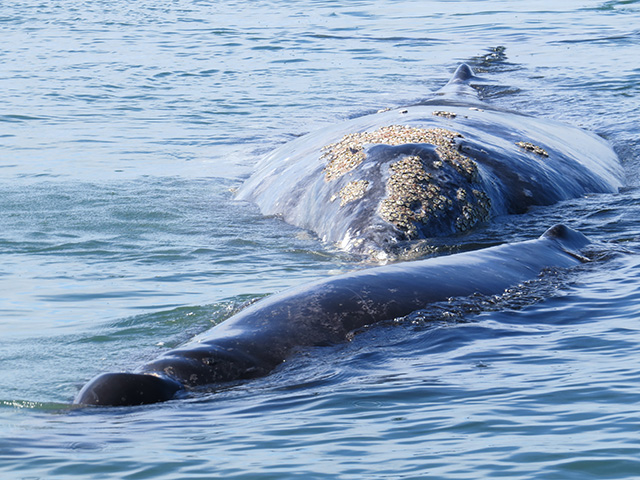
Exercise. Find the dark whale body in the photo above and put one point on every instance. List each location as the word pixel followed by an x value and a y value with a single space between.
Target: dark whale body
pixel 260 337
pixel 377 182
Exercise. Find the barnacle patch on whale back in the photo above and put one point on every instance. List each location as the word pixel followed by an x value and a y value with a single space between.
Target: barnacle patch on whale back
pixel 424 196
pixel 352 191
pixel 444 114
pixel 347 154
pixel 530 147
pixel 475 209
pixel 419 202
pixel 411 196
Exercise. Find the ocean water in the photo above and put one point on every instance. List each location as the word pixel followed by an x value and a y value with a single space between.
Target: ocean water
pixel 126 126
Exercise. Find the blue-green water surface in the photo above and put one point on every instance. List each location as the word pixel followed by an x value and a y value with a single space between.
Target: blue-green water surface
pixel 126 126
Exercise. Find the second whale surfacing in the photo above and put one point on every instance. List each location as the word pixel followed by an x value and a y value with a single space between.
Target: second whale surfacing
pixel 256 340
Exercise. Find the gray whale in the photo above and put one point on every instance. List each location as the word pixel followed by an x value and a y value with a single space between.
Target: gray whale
pixel 259 338
pixel 374 183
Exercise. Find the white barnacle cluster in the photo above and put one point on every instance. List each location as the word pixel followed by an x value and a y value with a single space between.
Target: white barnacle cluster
pixel 444 114
pixel 530 147
pixel 411 197
pixel 464 165
pixel 474 210
pixel 353 191
pixel 415 197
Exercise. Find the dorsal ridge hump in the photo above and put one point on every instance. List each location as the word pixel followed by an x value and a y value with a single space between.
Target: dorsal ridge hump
pixel 462 74
pixel 571 240
pixel 459 87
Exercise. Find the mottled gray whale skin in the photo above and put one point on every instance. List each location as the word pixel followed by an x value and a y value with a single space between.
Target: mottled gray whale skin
pixel 430 170
pixel 259 338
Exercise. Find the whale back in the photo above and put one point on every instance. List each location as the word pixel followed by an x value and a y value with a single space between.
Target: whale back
pixel 375 184
pixel 259 338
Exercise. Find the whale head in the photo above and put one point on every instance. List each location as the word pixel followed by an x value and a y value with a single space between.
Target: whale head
pixel 120 389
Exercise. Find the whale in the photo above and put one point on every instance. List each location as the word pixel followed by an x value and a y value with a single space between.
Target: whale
pixel 329 311
pixel 378 184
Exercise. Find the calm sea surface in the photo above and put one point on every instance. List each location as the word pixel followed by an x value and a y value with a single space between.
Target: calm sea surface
pixel 125 127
